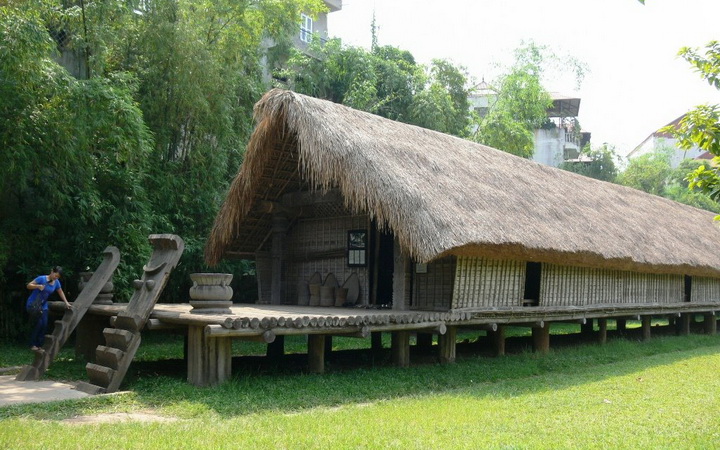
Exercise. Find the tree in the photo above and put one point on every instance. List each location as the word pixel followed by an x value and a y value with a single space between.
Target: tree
pixel 519 108
pixel 648 172
pixel 653 173
pixel 385 81
pixel 146 141
pixel 599 163
pixel 701 126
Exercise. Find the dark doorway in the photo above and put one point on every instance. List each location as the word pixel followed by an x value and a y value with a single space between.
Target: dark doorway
pixel 382 267
pixel 688 288
pixel 533 274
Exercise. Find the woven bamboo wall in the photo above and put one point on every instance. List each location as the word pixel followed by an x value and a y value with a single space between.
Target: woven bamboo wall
pixel 320 245
pixel 433 290
pixel 579 286
pixel 705 289
pixel 263 272
pixel 482 282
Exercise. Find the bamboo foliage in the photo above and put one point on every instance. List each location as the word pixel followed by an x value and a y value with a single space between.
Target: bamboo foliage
pixel 483 282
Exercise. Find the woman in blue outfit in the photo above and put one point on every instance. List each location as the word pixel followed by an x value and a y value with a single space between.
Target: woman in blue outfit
pixel 42 287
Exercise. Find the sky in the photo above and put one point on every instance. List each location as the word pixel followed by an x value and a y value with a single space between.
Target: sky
pixel 635 83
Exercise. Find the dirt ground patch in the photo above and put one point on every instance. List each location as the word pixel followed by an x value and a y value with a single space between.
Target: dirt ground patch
pixel 142 416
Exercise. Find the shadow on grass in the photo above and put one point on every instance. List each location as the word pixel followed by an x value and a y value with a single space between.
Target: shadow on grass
pixel 258 385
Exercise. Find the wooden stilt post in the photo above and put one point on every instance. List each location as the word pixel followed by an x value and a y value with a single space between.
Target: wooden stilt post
pixel 602 331
pixel 376 341
pixel 316 353
pixel 541 338
pixel 684 322
pixel 646 330
pixel 621 325
pixel 424 341
pixel 276 349
pixel 587 329
pixel 209 359
pixel 497 338
pixel 328 345
pixel 446 343
pixel 710 323
pixel 400 348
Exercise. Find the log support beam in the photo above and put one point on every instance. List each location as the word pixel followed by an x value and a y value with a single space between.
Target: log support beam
pixel 586 329
pixel 316 353
pixel 209 359
pixel 400 348
pixel 446 344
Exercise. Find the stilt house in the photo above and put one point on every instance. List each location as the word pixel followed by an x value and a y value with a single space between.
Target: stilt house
pixel 423 220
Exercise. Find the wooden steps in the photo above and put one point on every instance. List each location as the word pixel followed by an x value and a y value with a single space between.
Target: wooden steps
pixel 63 328
pixel 114 358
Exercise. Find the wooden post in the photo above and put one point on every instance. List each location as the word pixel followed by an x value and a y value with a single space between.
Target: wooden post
pixel 316 353
pixel 646 330
pixel 424 341
pixel 621 325
pixel 400 348
pixel 209 359
pixel 401 275
pixel 276 349
pixel 602 331
pixel 376 341
pixel 587 329
pixel 684 324
pixel 89 334
pixel 541 338
pixel 328 344
pixel 277 253
pixel 446 343
pixel 497 338
pixel 710 323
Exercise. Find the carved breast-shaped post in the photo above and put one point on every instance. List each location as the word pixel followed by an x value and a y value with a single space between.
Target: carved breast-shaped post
pixel 211 293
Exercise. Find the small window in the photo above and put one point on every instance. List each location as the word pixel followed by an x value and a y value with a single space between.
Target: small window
pixel 357 248
pixel 306 28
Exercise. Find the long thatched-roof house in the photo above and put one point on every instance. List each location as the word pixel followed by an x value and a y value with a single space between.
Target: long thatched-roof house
pixel 425 220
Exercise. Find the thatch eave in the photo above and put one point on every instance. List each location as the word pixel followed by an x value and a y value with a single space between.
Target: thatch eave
pixel 441 195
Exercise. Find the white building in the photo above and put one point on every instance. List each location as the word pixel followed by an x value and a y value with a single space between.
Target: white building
pixel 661 139
pixel 559 140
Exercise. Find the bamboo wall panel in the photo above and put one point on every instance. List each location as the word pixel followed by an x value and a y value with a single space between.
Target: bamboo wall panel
pixel 581 286
pixel 483 282
pixel 433 290
pixel 263 272
pixel 705 289
pixel 320 245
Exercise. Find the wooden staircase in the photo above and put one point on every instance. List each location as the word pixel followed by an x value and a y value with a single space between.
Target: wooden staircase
pixel 64 327
pixel 121 342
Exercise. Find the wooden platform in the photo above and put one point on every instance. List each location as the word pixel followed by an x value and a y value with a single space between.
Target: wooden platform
pixel 209 350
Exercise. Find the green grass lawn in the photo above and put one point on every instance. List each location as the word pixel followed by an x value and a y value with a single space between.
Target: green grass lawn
pixel 660 393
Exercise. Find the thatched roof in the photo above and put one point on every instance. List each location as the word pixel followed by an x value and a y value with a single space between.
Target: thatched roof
pixel 441 195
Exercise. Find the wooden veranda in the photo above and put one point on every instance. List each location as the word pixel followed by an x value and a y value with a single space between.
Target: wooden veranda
pixel 210 336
